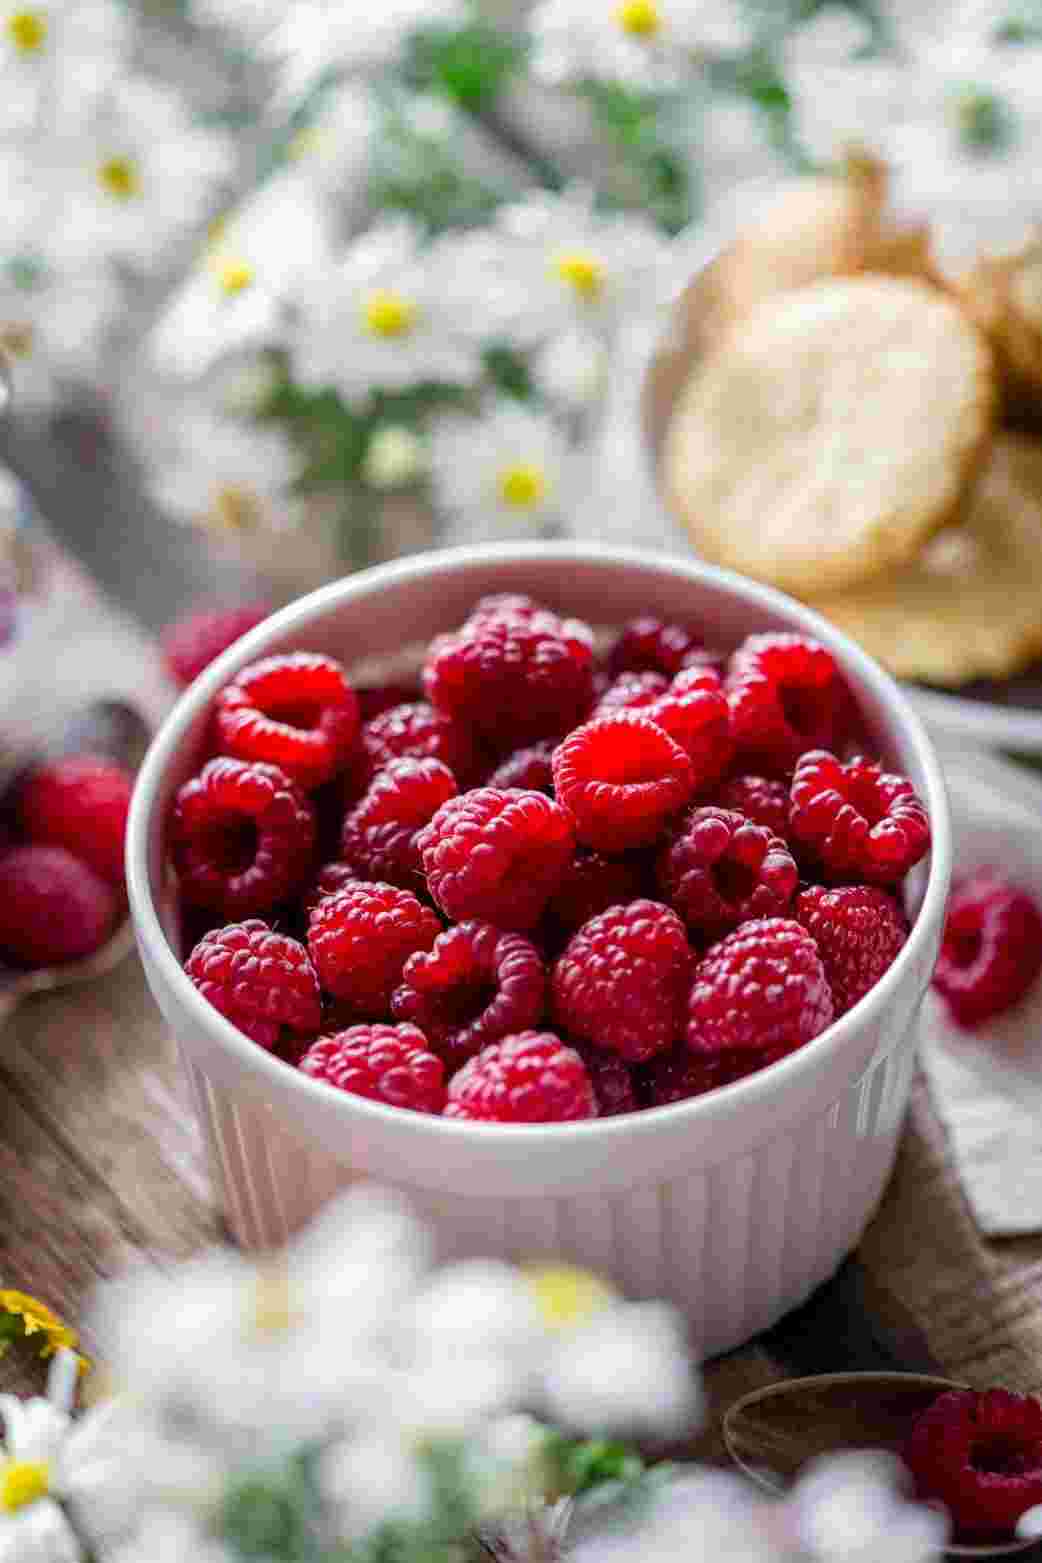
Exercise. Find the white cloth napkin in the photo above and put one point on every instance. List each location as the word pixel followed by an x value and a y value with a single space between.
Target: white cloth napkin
pixel 986 1085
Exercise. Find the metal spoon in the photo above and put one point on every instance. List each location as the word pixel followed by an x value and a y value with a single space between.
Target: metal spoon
pixel 773 1432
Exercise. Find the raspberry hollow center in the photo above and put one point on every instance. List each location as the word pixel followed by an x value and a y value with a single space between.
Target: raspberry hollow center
pixel 735 881
pixel 1003 1457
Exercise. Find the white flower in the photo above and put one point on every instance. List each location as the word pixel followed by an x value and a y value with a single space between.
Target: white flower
pixel 334 148
pixel 379 318
pixel 225 474
pixel 56 59
pixel 645 45
pixel 318 36
pixel 502 475
pixel 571 369
pixel 841 93
pixel 850 1508
pixel 172 1536
pixel 53 327
pixel 707 1514
pixel 394 458
pixel 369 1480
pixel 627 1370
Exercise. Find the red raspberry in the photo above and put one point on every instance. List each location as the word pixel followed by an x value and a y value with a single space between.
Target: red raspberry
pixel 514 679
pixel 378 698
pixel 678 1075
pixel 529 769
pixel 53 908
pixel 528 1078
pixel 612 1082
pixel 259 980
pixel 330 878
pixel 497 856
pixel 296 711
pixel 786 696
pixel 648 644
pixel 475 986
pixel 630 692
pixel 79 803
pixel 855 819
pixel 992 947
pixel 390 1064
pixel 360 939
pixel 694 712
pixel 858 931
pixel 722 870
pixel 763 986
pixel 622 777
pixel 763 801
pixel 622 981
pixel 591 883
pixel 980 1453
pixel 242 837
pixel 416 731
pixel 379 838
pixel 194 642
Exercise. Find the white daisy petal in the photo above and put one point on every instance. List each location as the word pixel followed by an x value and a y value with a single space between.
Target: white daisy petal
pixel 644 45
pixel 506 474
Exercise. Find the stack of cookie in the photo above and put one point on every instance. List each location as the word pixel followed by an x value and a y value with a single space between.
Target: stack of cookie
pixel 851 429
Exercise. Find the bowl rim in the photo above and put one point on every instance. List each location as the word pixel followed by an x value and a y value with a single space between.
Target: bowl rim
pixel 279 1079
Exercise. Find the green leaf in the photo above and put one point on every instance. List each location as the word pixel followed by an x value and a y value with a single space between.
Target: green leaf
pixel 508 371
pixel 982 119
pixel 581 1465
pixel 470 64
pixel 267 1514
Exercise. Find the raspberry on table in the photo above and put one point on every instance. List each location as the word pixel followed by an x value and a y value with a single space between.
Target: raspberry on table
pixel 360 939
pixel 474 986
pixel 764 801
pixel 375 699
pixel 263 982
pixel 650 645
pixel 53 907
pixel 621 777
pixel 763 986
pixel 192 643
pixel 496 855
pixel 679 1074
pixel 592 882
pixel 721 870
pixel 786 695
pixel 390 1064
pixel 612 1081
pixel 416 731
pixel 296 711
pixel 79 802
pixel 991 952
pixel 242 837
pixel 856 820
pixel 979 1452
pixel 379 838
pixel 622 981
pixel 529 1078
pixel 858 930
pixel 528 768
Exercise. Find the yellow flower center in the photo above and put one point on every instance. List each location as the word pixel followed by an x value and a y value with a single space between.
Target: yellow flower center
pixel 310 139
pixel 566 1295
pixel 17 340
pixel 235 508
pixel 273 1311
pixel 119 177
pixel 388 314
pixel 582 271
pixel 35 1316
pixel 23 1482
pixel 522 485
pixel 27 30
pixel 639 18
pixel 234 276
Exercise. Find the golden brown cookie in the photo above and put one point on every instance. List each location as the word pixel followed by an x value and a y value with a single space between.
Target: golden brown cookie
pixel 1003 294
pixel 830 434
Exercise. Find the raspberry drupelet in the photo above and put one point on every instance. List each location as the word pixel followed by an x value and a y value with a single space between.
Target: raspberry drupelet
pixel 360 939
pixel 991 952
pixel 856 820
pixel 529 1078
pixel 763 986
pixel 651 645
pixel 858 930
pixel 416 731
pixel 786 696
pixel 296 711
pixel 759 798
pixel 379 838
pixel 622 777
pixel 390 1064
pixel 721 870
pixel 261 981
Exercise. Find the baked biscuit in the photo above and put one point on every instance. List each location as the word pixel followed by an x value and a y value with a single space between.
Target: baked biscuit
pixel 1003 294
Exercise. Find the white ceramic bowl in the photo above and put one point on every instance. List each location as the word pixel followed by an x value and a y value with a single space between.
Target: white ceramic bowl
pixel 737 1204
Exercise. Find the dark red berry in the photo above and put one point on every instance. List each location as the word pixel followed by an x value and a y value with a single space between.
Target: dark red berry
pixel 379 839
pixel 630 692
pixel 858 931
pixel 529 1078
pixel 622 981
pixel 330 878
pixel 390 1064
pixel 592 882
pixel 679 1074
pixel 721 870
pixel 694 712
pixel 378 698
pixel 979 1452
pixel 622 778
pixel 296 711
pixel 242 837
pixel 261 981
pixel 764 801
pixel 476 985
pixel 528 769
pixel 856 820
pixel 416 731
pixel 79 802
pixel 193 643
pixel 360 939
pixel 53 907
pixel 786 696
pixel 612 1081
pixel 763 986
pixel 651 645
pixel 496 856
pixel 991 953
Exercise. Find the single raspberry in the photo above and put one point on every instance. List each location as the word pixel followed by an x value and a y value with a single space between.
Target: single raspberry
pixel 529 1078
pixel 390 1064
pixel 378 698
pixel 991 952
pixel 242 837
pixel 979 1452
pixel 612 1081
pixel 529 769
pixel 194 642
pixel 416 731
pixel 360 939
pixel 592 882
pixel 53 908
pixel 497 856
pixel 760 799
pixel 80 803
pixel 622 777
pixel 786 696
pixel 763 986
pixel 474 986
pixel 695 714
pixel 622 981
pixel 630 692
pixel 858 931
pixel 858 821
pixel 261 981
pixel 650 645
pixel 678 1075
pixel 721 870
pixel 330 878
pixel 380 833
pixel 514 679
pixel 296 711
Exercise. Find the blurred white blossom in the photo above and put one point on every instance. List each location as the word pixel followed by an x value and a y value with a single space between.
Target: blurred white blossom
pixel 626 1371
pixel 395 458
pixel 369 1480
pixel 54 325
pixel 222 473
pixel 57 59
pixel 853 1508
pixel 571 370
pixel 504 474
pixel 646 45
pixel 172 1536
pixel 314 37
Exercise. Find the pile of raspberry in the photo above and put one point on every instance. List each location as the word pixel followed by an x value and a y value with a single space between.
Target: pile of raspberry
pixel 545 885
